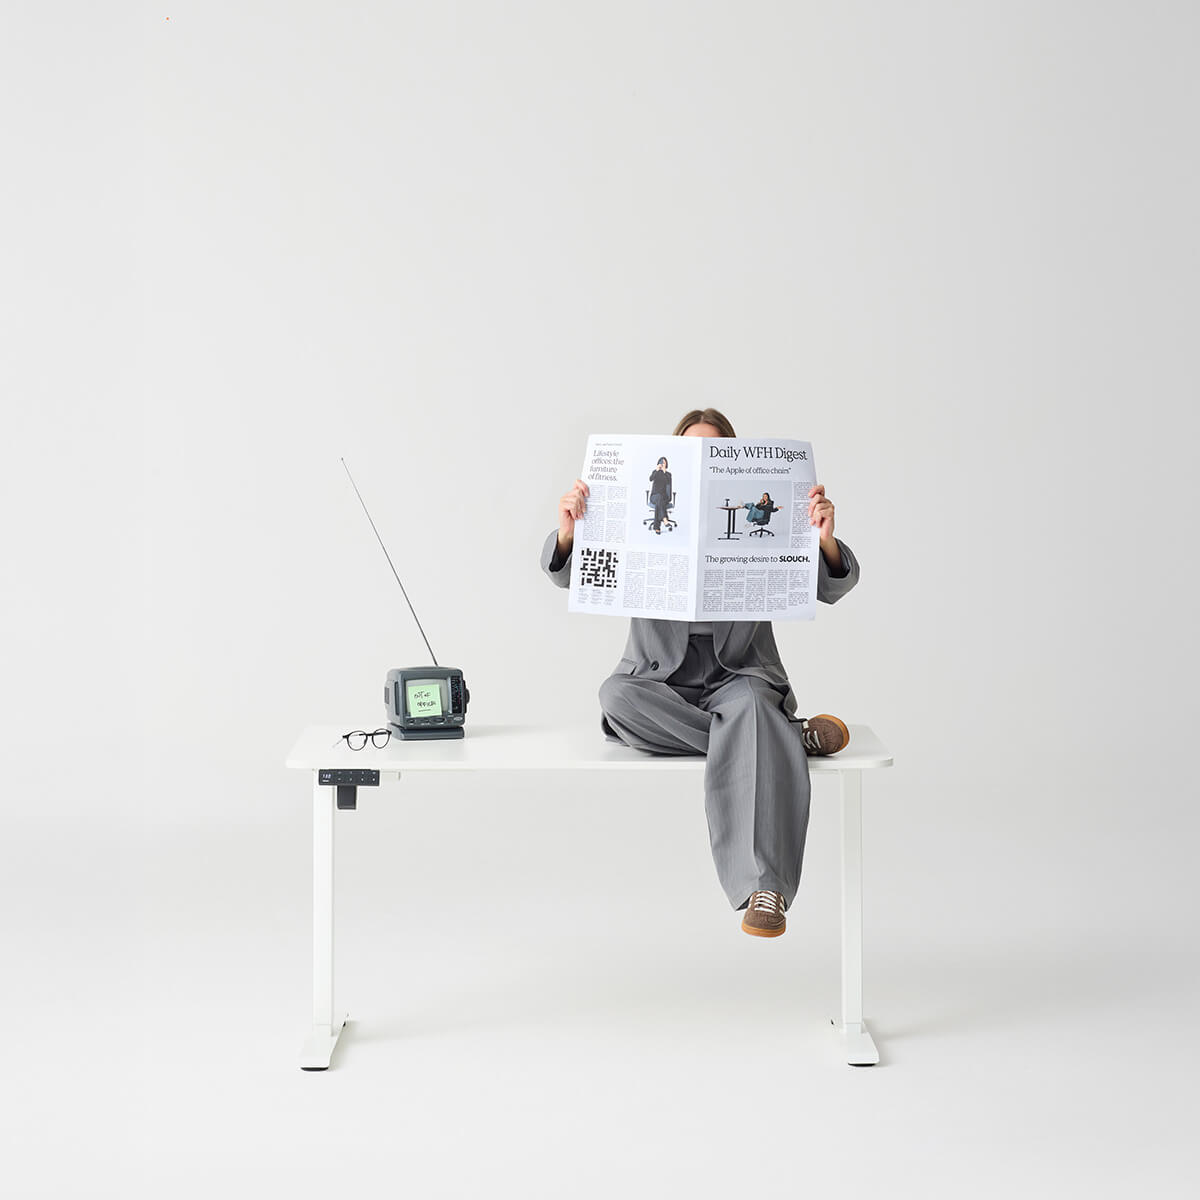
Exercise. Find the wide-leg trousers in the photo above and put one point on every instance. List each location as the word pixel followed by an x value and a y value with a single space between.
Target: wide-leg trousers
pixel 660 500
pixel 756 785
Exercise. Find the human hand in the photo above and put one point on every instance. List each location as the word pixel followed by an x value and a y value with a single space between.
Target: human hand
pixel 820 514
pixel 570 508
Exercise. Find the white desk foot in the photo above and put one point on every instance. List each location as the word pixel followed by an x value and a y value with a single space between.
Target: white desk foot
pixel 857 1043
pixel 318 1046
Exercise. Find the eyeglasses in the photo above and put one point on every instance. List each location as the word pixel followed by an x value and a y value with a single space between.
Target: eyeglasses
pixel 358 738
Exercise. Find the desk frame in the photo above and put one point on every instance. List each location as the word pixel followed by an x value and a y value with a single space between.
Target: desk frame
pixel 327 1024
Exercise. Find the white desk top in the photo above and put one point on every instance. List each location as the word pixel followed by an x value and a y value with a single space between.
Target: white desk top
pixel 536 748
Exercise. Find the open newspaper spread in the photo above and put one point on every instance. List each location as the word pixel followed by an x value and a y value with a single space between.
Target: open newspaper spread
pixel 696 529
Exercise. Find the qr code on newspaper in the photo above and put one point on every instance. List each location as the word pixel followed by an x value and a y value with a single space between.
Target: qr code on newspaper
pixel 598 568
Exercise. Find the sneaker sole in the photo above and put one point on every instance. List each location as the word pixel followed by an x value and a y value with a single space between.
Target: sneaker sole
pixel 755 932
pixel 842 726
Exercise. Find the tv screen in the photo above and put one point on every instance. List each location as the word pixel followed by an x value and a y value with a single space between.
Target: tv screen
pixel 423 697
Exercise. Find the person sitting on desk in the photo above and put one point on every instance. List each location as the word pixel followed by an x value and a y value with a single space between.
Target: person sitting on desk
pixel 719 689
pixel 660 493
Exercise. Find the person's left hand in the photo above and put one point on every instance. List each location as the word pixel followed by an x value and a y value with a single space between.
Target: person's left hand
pixel 820 514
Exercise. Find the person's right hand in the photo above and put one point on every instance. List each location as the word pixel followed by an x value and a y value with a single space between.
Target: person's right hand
pixel 570 508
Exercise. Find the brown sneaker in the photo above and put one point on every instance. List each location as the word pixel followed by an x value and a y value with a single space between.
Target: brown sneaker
pixel 824 735
pixel 764 915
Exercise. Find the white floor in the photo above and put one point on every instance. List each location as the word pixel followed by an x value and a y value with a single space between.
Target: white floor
pixel 576 1014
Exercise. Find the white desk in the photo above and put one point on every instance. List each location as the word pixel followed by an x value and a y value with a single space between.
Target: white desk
pixel 526 748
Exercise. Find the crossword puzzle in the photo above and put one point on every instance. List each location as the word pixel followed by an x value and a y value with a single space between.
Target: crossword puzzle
pixel 598 568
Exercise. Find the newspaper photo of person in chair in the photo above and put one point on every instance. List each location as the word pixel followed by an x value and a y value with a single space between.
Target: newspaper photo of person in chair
pixel 760 514
pixel 660 497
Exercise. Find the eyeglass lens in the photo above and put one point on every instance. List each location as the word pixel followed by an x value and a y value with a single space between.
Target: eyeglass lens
pixel 358 739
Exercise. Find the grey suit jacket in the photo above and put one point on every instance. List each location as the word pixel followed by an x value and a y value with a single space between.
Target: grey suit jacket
pixel 656 648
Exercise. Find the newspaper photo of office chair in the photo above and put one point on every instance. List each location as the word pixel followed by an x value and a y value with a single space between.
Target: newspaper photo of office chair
pixel 667 508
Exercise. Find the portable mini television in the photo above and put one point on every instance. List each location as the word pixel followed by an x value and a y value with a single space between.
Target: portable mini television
pixel 422 703
pixel 426 702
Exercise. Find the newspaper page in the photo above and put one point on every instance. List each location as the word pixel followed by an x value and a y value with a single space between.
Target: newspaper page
pixel 696 529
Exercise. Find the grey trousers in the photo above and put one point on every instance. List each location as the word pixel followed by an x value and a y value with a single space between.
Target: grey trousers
pixel 756 786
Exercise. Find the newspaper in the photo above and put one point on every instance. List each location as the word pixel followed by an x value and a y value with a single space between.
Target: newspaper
pixel 696 529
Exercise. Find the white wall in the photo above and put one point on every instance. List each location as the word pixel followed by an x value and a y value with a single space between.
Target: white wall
pixel 952 244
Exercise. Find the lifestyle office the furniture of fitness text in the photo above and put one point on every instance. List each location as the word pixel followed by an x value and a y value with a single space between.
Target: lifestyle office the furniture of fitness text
pixel 583 748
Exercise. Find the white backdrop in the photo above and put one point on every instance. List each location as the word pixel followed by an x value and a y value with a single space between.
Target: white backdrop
pixel 955 251
pixel 952 244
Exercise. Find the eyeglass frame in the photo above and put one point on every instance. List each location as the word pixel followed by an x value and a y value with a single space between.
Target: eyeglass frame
pixel 387 737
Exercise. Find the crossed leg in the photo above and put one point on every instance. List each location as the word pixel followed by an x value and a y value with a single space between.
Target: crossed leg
pixel 756 785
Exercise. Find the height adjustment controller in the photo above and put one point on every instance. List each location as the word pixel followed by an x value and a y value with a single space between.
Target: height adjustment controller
pixel 347 783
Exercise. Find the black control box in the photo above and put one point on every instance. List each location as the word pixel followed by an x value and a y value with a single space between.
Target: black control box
pixel 340 777
pixel 347 783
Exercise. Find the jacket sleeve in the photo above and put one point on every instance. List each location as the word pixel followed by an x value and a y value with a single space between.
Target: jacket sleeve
pixel 831 588
pixel 558 571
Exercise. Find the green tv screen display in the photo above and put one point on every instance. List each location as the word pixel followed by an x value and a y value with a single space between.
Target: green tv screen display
pixel 423 697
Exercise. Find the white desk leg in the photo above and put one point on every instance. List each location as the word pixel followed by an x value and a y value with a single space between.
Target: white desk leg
pixel 856 1041
pixel 318 1046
